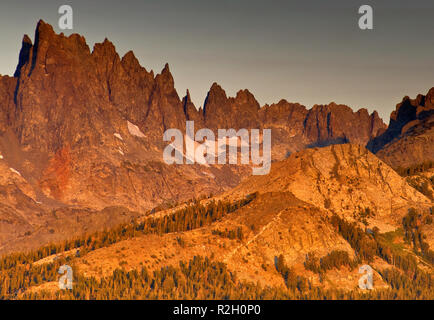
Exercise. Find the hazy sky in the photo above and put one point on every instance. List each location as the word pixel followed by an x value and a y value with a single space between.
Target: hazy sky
pixel 307 51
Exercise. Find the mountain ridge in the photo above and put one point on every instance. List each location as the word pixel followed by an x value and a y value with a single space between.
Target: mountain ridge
pixel 409 138
pixel 84 130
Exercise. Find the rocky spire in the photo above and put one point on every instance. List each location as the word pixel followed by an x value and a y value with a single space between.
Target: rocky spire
pixel 44 34
pixel 191 113
pixel 24 54
pixel 407 114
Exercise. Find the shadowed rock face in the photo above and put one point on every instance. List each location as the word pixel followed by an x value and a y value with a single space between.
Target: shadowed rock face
pixel 7 105
pixel 410 136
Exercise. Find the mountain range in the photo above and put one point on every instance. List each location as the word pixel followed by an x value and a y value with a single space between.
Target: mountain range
pixel 81 145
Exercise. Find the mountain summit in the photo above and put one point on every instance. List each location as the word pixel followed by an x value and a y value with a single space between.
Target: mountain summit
pixel 410 136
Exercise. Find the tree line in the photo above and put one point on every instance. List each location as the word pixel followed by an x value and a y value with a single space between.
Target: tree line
pixel 194 216
pixel 416 168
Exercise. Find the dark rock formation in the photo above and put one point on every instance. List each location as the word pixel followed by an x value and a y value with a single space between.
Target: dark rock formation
pixel 410 136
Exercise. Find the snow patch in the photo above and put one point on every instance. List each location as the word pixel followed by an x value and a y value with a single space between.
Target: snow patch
pixel 134 130
pixel 1 157
pixel 121 152
pixel 208 174
pixel 117 135
pixel 15 171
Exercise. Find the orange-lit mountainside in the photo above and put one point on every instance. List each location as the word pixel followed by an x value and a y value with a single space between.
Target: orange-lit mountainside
pixel 83 182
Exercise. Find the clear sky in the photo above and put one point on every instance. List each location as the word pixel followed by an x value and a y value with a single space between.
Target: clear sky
pixel 307 51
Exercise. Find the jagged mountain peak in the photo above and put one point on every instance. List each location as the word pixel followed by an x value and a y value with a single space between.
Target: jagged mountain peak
pixel 43 30
pixel 410 109
pixel 190 111
pixel 429 98
pixel 130 62
pixel 26 39
pixel 246 97
pixel 105 49
pixel 409 138
pixel 120 80
pixel 186 100
pixel 216 91
pixel 166 69
pixel 215 98
pixel 165 74
pixel 26 47
pixel 45 34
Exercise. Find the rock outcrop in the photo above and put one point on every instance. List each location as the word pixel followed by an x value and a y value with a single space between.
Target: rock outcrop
pixel 345 179
pixel 410 136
